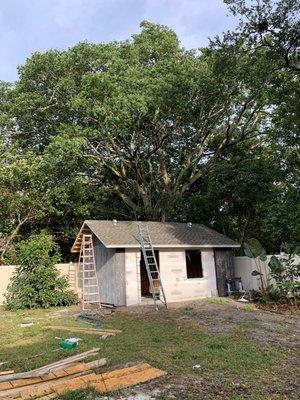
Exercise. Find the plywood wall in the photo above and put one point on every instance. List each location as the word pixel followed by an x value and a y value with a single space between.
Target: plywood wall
pixel 111 274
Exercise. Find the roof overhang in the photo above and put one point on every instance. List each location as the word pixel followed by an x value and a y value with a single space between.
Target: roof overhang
pixel 86 230
pixel 77 244
pixel 173 246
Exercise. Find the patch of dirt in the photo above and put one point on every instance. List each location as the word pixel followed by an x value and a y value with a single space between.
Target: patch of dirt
pixel 226 316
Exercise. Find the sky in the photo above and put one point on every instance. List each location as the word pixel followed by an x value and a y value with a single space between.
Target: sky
pixel 27 26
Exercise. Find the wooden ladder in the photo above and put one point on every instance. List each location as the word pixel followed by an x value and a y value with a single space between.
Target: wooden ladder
pixel 156 286
pixel 87 274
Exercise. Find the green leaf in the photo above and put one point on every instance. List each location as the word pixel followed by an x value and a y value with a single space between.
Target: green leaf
pixel 256 273
pixel 275 265
pixel 256 248
pixel 247 251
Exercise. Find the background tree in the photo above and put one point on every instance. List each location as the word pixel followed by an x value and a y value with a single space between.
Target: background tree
pixel 153 116
pixel 145 129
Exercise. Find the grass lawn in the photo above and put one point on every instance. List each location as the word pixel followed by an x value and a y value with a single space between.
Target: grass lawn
pixel 241 352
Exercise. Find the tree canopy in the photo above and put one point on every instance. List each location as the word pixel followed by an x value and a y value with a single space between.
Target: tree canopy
pixel 146 129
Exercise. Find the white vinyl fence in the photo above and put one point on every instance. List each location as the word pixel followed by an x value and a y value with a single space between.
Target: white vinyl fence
pixel 67 269
pixel 244 266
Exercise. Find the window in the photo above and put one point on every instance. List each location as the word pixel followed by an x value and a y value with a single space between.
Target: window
pixel 193 264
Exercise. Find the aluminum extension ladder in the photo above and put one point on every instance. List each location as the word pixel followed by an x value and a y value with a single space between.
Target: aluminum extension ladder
pixel 151 265
pixel 87 274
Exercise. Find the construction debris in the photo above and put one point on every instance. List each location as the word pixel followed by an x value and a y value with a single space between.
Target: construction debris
pixel 41 384
pixel 79 376
pixel 69 343
pixel 109 332
pixel 25 324
pixel 58 365
pixel 11 371
pixel 88 317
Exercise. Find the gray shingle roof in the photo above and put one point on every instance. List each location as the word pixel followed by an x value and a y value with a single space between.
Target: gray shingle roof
pixel 163 234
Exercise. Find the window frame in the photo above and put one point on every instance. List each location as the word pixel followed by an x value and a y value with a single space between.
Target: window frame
pixel 201 274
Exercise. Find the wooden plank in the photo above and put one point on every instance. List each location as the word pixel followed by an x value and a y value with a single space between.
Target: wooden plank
pixel 97 363
pixel 25 382
pixel 79 367
pixel 133 378
pixel 73 383
pixel 58 365
pixel 60 373
pixel 39 389
pixel 48 377
pixel 10 371
pixel 104 383
pixel 85 330
pixel 99 386
pixel 125 371
pixel 42 391
pixel 5 386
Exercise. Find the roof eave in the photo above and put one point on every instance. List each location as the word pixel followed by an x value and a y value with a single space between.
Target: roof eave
pixel 175 246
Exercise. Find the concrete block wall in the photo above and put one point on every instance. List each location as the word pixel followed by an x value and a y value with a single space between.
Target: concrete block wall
pixel 173 274
pixel 177 285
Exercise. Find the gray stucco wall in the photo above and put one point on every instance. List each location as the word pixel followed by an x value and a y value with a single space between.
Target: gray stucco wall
pixel 224 269
pixel 110 266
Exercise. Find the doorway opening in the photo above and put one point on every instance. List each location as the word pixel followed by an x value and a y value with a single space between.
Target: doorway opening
pixel 145 284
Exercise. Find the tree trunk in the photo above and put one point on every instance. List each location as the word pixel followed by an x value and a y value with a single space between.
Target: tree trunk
pixel 11 237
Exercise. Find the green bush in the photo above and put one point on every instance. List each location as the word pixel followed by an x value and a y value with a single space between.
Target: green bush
pixel 36 282
pixel 286 273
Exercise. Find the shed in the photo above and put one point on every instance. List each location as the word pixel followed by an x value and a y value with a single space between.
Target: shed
pixel 194 260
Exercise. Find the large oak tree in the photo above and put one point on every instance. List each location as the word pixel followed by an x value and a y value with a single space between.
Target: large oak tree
pixel 153 117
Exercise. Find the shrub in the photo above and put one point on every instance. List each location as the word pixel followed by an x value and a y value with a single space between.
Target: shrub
pixel 36 282
pixel 286 273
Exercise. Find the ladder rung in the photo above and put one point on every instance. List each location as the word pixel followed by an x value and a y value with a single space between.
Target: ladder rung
pixel 91 294
pixel 90 286
pixel 93 301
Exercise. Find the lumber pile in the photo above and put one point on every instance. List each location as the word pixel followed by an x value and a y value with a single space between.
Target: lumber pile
pixel 70 374
pixel 46 384
pixel 50 367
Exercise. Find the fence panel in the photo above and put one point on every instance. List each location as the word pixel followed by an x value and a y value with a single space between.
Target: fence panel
pixel 67 269
pixel 244 266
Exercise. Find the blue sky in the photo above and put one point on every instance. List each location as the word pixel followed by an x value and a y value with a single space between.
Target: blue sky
pixel 27 26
